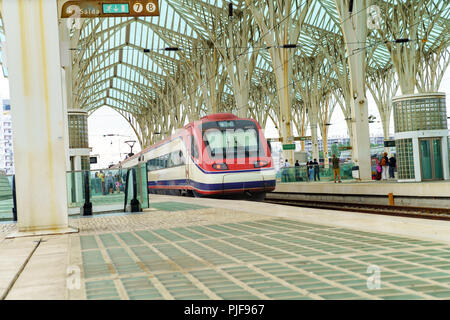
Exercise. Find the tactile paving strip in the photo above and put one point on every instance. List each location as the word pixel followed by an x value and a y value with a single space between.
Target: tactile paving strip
pixel 265 259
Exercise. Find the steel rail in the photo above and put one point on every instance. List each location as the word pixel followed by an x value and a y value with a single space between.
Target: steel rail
pixel 399 211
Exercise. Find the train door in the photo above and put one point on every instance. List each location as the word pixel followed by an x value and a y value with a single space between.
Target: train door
pixel 190 165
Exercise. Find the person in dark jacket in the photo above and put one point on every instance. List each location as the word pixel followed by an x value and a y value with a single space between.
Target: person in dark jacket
pixel 392 165
pixel 336 170
pixel 316 170
pixel 297 171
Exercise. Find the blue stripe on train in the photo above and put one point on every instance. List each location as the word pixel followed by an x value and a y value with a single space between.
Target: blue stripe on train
pixel 214 186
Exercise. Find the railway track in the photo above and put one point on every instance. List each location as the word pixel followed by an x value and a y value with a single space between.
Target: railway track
pixel 399 211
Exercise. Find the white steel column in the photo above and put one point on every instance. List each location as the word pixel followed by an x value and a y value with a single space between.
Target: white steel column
pixel 78 179
pixel 31 31
pixel 445 157
pixel 416 156
pixel 354 28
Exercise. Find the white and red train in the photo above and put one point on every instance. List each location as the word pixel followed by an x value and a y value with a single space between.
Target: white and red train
pixel 220 154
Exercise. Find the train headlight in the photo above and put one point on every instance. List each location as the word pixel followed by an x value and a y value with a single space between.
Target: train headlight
pixel 260 164
pixel 220 166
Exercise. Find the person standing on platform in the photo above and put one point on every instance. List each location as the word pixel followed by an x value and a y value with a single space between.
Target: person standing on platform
pixel 297 170
pixel 311 171
pixel 384 167
pixel 101 175
pixel 379 169
pixel 392 165
pixel 285 170
pixel 109 183
pixel 316 170
pixel 336 170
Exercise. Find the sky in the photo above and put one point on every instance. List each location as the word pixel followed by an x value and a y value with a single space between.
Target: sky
pixel 111 149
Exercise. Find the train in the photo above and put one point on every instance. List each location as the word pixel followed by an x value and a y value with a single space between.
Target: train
pixel 219 155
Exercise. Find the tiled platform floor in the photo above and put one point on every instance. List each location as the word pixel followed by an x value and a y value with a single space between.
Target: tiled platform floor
pixel 253 258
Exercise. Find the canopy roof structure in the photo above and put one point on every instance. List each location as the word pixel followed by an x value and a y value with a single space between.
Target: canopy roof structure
pixel 173 68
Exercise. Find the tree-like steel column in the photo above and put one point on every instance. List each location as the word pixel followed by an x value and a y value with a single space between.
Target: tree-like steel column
pixel 325 114
pixel 383 86
pixel 31 30
pixel 280 24
pixel 354 27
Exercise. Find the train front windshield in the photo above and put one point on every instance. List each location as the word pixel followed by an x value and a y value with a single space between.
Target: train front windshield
pixel 232 139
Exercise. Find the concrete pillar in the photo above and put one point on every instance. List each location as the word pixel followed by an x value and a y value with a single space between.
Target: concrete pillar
pixel 354 28
pixel 31 30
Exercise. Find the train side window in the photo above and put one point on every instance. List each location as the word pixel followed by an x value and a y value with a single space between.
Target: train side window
pixel 171 160
pixel 194 150
pixel 165 161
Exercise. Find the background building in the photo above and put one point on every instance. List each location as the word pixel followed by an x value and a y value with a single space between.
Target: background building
pixel 6 143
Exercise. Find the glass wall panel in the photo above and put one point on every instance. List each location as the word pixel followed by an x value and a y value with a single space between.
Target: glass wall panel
pixel 420 114
pixel 425 157
pixel 405 159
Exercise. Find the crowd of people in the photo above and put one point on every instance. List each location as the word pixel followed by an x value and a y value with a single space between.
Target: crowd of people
pixel 385 169
pixel 384 166
pixel 106 183
pixel 312 170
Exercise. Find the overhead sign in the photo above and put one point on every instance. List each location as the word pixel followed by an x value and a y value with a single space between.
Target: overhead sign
pixel 303 138
pixel 389 143
pixel 119 8
pixel 345 148
pixel 109 8
pixel 290 146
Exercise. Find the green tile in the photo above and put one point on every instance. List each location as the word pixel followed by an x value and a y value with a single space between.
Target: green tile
pixel 426 288
pixel 88 242
pixel 381 292
pixel 440 294
pixel 146 297
pixel 338 296
pixel 283 295
pixel 403 297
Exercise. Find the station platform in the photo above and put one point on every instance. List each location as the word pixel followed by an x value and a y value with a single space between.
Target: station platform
pixel 190 248
pixel 417 194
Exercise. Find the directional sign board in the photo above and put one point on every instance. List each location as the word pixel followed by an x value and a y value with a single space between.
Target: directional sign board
pixel 119 8
pixel 109 8
pixel 290 146
pixel 304 138
pixel 389 143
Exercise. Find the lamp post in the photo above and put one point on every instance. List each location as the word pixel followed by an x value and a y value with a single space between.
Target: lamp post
pixel 130 143
pixel 116 135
